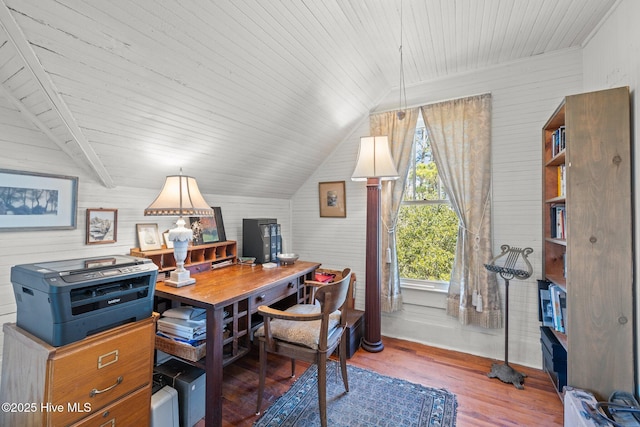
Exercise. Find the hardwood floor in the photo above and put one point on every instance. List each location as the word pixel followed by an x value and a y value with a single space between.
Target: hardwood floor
pixel 482 401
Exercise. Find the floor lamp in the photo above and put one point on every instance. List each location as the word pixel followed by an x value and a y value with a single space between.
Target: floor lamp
pixel 374 165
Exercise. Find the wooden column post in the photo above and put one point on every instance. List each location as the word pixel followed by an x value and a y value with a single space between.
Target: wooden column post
pixel 372 340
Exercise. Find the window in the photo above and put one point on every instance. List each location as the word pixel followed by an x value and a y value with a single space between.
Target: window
pixel 427 227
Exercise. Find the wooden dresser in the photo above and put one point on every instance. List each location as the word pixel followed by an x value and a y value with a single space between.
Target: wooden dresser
pixel 104 379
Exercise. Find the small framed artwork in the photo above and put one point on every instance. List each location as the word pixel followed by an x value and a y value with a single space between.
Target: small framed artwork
pixel 168 243
pixel 204 229
pixel 148 237
pixel 102 226
pixel 332 199
pixel 37 201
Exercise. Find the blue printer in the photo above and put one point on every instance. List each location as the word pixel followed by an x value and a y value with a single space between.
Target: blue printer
pixel 65 301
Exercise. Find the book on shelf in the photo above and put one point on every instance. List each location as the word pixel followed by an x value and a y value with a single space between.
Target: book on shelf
pixel 558 221
pixel 546 308
pixel 562 184
pixel 556 294
pixel 563 311
pixel 558 142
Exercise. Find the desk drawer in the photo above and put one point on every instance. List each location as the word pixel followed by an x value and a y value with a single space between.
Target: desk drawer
pixel 273 295
pixel 100 371
pixel 134 410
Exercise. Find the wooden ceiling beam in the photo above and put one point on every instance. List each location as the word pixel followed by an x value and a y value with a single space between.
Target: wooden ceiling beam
pixel 89 158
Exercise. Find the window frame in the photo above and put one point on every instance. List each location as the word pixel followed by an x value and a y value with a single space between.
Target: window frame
pixel 438 286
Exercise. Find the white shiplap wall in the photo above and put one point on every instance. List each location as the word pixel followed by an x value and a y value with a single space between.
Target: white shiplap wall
pixel 612 59
pixel 25 149
pixel 524 94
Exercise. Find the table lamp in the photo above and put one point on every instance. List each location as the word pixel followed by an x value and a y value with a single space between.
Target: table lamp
pixel 179 196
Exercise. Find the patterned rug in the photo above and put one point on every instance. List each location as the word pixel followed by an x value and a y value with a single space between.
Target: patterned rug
pixel 373 400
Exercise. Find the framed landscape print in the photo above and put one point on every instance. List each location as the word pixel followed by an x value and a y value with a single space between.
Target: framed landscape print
pixel 332 199
pixel 37 201
pixel 102 226
pixel 148 237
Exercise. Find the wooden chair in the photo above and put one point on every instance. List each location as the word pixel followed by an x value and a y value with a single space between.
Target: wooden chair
pixel 308 332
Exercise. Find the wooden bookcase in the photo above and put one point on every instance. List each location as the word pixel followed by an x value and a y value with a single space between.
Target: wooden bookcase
pixel 592 261
pixel 199 258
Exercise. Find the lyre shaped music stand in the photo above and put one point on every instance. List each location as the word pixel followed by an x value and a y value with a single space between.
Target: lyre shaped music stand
pixel 509 265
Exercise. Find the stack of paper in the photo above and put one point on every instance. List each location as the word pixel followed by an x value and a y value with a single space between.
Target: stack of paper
pixel 185 324
pixel 188 329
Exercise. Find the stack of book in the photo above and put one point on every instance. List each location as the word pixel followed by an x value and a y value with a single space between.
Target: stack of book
pixel 184 324
pixel 558 221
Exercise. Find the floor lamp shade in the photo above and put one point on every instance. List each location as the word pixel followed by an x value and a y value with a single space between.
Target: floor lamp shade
pixel 179 196
pixel 374 165
pixel 374 160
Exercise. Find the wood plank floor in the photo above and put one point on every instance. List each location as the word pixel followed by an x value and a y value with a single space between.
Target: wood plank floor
pixel 482 401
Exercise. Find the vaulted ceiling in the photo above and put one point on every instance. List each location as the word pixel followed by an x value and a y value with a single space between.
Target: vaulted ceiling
pixel 248 96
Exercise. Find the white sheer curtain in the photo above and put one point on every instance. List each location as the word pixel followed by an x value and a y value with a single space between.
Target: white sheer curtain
pixel 460 133
pixel 400 133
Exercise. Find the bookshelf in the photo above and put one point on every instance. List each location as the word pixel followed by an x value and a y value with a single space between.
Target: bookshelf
pixel 587 241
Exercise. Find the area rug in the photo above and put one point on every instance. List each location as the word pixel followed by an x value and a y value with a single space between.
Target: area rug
pixel 373 401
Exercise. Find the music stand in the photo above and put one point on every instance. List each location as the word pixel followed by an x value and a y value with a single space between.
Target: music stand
pixel 508 269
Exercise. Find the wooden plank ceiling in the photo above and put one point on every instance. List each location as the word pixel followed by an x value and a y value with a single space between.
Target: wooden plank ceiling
pixel 248 96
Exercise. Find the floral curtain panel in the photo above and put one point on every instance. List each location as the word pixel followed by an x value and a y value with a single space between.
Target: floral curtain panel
pixel 400 133
pixel 460 132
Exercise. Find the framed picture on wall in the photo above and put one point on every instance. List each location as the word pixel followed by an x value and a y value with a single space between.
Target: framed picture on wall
pixel 37 201
pixel 148 237
pixel 332 199
pixel 102 226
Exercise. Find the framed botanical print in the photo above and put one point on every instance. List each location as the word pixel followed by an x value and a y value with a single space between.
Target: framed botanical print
pixel 332 199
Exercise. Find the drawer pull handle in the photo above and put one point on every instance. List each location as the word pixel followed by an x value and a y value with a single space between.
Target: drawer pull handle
pixel 95 391
pixel 107 359
pixel 260 298
pixel 291 285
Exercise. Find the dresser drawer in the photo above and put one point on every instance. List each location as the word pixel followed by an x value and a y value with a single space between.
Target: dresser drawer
pixel 273 295
pixel 99 370
pixel 134 410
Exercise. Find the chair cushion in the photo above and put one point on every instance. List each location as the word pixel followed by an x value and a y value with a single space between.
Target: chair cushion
pixel 300 332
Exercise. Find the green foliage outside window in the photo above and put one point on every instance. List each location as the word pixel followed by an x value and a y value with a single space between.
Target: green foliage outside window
pixel 426 238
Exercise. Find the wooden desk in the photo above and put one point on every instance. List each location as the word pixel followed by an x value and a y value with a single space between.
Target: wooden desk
pixel 241 289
